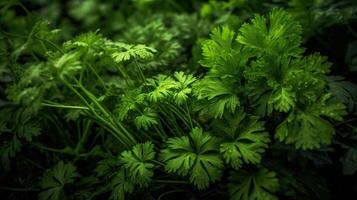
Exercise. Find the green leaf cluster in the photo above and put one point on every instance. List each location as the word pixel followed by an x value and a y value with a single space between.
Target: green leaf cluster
pixel 175 99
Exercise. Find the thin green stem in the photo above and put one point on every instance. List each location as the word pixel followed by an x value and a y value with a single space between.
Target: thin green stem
pixel 169 181
pixel 35 37
pixel 93 99
pixel 17 3
pixel 170 192
pixel 83 139
pixel 84 100
pixel 189 115
pixel 62 151
pixel 146 135
pixel 19 189
pixel 159 131
pixel 105 112
pixel 107 125
pixel 13 34
pixel 115 134
pixel 140 71
pixel 34 163
pixel 193 120
pixel 43 46
pixel 66 150
pixel 77 93
pixel 50 43
pixel 162 129
pixel 124 74
pixel 158 162
pixel 55 105
pixel 179 115
pixel 170 118
pixel 176 131
pixel 96 74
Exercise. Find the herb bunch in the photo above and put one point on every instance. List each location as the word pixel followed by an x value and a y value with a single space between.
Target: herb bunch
pixel 201 107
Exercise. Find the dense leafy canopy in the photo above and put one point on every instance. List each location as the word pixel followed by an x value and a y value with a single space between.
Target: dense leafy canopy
pixel 169 99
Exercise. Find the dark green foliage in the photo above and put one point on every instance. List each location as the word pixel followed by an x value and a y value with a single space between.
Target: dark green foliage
pixel 253 185
pixel 54 181
pixel 168 99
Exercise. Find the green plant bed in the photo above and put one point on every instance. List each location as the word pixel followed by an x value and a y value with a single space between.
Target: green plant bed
pixel 153 99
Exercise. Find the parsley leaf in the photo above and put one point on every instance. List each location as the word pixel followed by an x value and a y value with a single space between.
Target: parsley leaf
pixel 195 155
pixel 217 97
pixel 244 139
pixel 258 185
pixel 281 36
pixel 183 89
pixel 128 51
pixel 162 87
pixel 147 119
pixel 138 164
pixel 54 181
pixel 121 186
pixel 306 128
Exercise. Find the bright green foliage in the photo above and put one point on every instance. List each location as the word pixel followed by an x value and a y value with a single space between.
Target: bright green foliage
pixel 289 81
pixel 153 79
pixel 217 97
pixel 277 78
pixel 326 106
pixel 220 46
pixel 195 155
pixel 31 86
pixel 258 185
pixel 137 163
pixel 176 88
pixel 56 179
pixel 163 86
pixel 183 87
pixel 307 129
pixel 224 56
pixel 127 52
pixel 128 102
pixel 90 40
pixel 283 100
pixel 244 139
pixel 220 89
pixel 281 36
pixel 67 64
pixel 147 119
